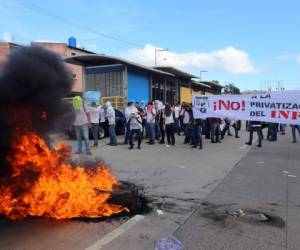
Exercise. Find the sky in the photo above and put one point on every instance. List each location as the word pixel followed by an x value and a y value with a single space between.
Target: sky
pixel 253 44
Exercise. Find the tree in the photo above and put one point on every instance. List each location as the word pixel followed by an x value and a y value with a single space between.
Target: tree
pixel 231 89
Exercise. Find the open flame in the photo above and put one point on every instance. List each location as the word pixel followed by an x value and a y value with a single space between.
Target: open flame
pixel 44 183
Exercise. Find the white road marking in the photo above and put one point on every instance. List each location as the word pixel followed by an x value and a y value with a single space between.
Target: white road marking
pixel 260 162
pixel 181 166
pixel 115 233
pixel 244 146
pixel 293 176
pixel 286 172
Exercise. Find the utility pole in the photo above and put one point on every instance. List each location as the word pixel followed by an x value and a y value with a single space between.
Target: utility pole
pixel 156 54
pixel 202 71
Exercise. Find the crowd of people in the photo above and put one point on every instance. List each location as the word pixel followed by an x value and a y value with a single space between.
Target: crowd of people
pixel 157 122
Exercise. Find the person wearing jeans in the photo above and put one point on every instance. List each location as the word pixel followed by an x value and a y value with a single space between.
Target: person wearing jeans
pixel 197 134
pixel 255 126
pixel 94 111
pixel 111 116
pixel 81 124
pixel 294 128
pixel 151 114
pixel 82 131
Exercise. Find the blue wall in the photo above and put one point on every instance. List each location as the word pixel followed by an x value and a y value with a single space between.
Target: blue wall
pixel 138 86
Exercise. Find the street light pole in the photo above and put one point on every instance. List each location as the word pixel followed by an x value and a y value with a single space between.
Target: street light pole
pixel 202 71
pixel 157 51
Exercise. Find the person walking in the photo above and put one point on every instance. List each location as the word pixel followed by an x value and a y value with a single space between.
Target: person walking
pixel 136 128
pixel 94 111
pixel 111 116
pixel 82 123
pixel 294 128
pixel 169 125
pixel 151 114
pixel 255 126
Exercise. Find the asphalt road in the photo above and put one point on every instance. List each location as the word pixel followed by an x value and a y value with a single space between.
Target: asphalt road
pixel 175 180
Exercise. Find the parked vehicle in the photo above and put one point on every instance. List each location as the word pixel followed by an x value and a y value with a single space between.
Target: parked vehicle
pixel 103 128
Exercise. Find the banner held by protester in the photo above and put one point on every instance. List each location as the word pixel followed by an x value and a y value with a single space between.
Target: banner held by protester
pixel 276 107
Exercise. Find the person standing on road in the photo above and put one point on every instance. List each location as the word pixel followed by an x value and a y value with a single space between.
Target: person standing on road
pixel 128 111
pixel 255 126
pixel 169 125
pixel 294 128
pixel 111 116
pixel 82 123
pixel 215 129
pixel 198 125
pixel 151 114
pixel 94 111
pixel 186 122
pixel 177 109
pixel 136 128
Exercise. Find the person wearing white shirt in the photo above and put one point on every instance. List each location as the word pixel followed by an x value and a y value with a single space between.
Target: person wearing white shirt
pixel 136 127
pixel 151 114
pixel 94 111
pixel 169 124
pixel 111 117
pixel 128 111
pixel 177 110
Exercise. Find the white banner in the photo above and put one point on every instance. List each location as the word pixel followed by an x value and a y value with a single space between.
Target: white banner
pixel 278 107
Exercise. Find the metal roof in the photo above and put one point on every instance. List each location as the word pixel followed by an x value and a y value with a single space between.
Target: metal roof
pixel 201 84
pixel 175 71
pixel 101 59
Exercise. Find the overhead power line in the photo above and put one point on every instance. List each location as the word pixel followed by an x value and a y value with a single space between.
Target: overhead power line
pixel 36 8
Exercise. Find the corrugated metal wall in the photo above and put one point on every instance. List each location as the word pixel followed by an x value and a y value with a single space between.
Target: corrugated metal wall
pixel 138 86
pixel 108 80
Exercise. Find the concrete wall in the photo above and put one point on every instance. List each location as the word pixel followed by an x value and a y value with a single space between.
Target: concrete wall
pixel 138 86
pixel 63 50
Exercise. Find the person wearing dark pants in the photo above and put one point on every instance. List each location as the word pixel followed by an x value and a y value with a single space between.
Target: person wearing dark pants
pixel 128 111
pixel 215 130
pixel 136 127
pixel 236 126
pixel 272 131
pixel 168 119
pixel 255 126
pixel 111 116
pixel 197 134
pixel 294 128
pixel 151 113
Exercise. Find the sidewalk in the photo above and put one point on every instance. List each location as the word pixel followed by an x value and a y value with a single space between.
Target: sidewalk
pixel 265 185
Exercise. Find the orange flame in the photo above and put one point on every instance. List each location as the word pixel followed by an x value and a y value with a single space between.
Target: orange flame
pixel 44 183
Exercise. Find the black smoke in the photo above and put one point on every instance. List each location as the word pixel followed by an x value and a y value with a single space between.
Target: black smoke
pixel 32 85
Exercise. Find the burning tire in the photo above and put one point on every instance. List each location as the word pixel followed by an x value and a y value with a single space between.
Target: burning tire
pixel 127 195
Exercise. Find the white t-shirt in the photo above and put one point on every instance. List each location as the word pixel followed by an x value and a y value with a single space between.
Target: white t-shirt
pixel 186 117
pixel 136 122
pixel 102 115
pixel 94 113
pixel 81 116
pixel 111 116
pixel 169 119
pixel 177 111
pixel 129 111
pixel 150 115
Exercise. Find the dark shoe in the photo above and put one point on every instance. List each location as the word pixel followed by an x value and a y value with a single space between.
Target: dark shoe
pixel 139 147
pixel 237 136
pixel 152 143
pixel 161 142
pixel 219 141
pixel 229 134
pixel 130 147
pixel 200 147
pixel 213 142
pixel 193 146
pixel 114 144
pixel 108 144
pixel 259 145
pixel 248 143
pixel 294 141
pixel 185 142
